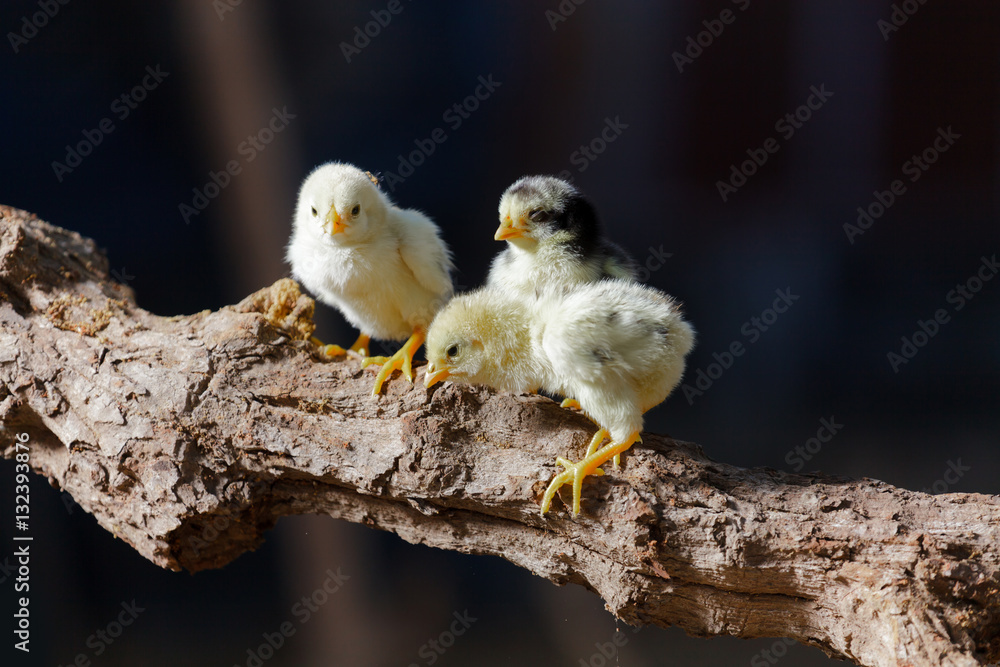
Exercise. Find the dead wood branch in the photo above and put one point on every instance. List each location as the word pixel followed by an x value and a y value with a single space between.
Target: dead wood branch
pixel 190 436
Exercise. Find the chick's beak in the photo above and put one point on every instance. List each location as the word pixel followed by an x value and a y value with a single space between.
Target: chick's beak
pixel 508 230
pixel 433 376
pixel 334 222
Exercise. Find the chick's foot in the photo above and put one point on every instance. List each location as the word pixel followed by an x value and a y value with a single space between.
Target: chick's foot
pixel 589 465
pixel 596 442
pixel 402 360
pixel 328 350
pixel 360 346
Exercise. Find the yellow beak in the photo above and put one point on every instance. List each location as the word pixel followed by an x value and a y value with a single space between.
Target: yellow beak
pixel 507 230
pixel 432 377
pixel 334 221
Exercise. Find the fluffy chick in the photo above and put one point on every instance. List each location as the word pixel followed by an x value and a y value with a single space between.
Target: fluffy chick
pixel 553 239
pixel 385 268
pixel 618 346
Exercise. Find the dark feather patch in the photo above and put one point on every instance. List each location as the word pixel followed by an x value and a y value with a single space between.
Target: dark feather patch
pixel 602 355
pixel 616 263
pixel 580 219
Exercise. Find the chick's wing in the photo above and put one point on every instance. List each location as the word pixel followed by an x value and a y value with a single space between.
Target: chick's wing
pixel 610 330
pixel 423 251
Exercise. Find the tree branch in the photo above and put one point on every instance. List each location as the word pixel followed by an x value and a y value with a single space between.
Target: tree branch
pixel 188 437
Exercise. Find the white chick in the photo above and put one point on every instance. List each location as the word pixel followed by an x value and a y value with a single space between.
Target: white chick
pixel 553 239
pixel 385 268
pixel 616 345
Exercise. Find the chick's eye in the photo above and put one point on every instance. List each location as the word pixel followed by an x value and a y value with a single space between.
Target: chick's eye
pixel 538 215
pixel 314 211
pixel 356 210
pixel 452 351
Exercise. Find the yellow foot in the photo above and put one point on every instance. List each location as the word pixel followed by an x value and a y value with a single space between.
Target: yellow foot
pixel 595 443
pixel 402 360
pixel 328 350
pixel 589 465
pixel 360 346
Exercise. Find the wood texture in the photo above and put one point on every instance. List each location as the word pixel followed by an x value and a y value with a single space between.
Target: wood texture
pixel 188 437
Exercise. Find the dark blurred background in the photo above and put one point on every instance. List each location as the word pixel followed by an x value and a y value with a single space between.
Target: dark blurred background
pixel 647 125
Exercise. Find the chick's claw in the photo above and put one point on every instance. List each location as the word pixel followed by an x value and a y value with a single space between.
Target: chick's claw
pixel 402 360
pixel 388 365
pixel 361 345
pixel 327 350
pixel 596 442
pixel 573 473
pixel 589 465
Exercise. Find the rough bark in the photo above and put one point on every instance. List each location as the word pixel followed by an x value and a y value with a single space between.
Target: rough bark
pixel 188 437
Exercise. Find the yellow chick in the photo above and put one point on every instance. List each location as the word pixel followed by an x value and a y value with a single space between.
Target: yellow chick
pixel 384 268
pixel 616 345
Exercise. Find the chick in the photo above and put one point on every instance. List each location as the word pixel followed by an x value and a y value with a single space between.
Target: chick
pixel 385 268
pixel 553 239
pixel 618 346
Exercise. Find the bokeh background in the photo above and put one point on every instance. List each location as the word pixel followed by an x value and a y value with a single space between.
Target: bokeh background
pixel 563 73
